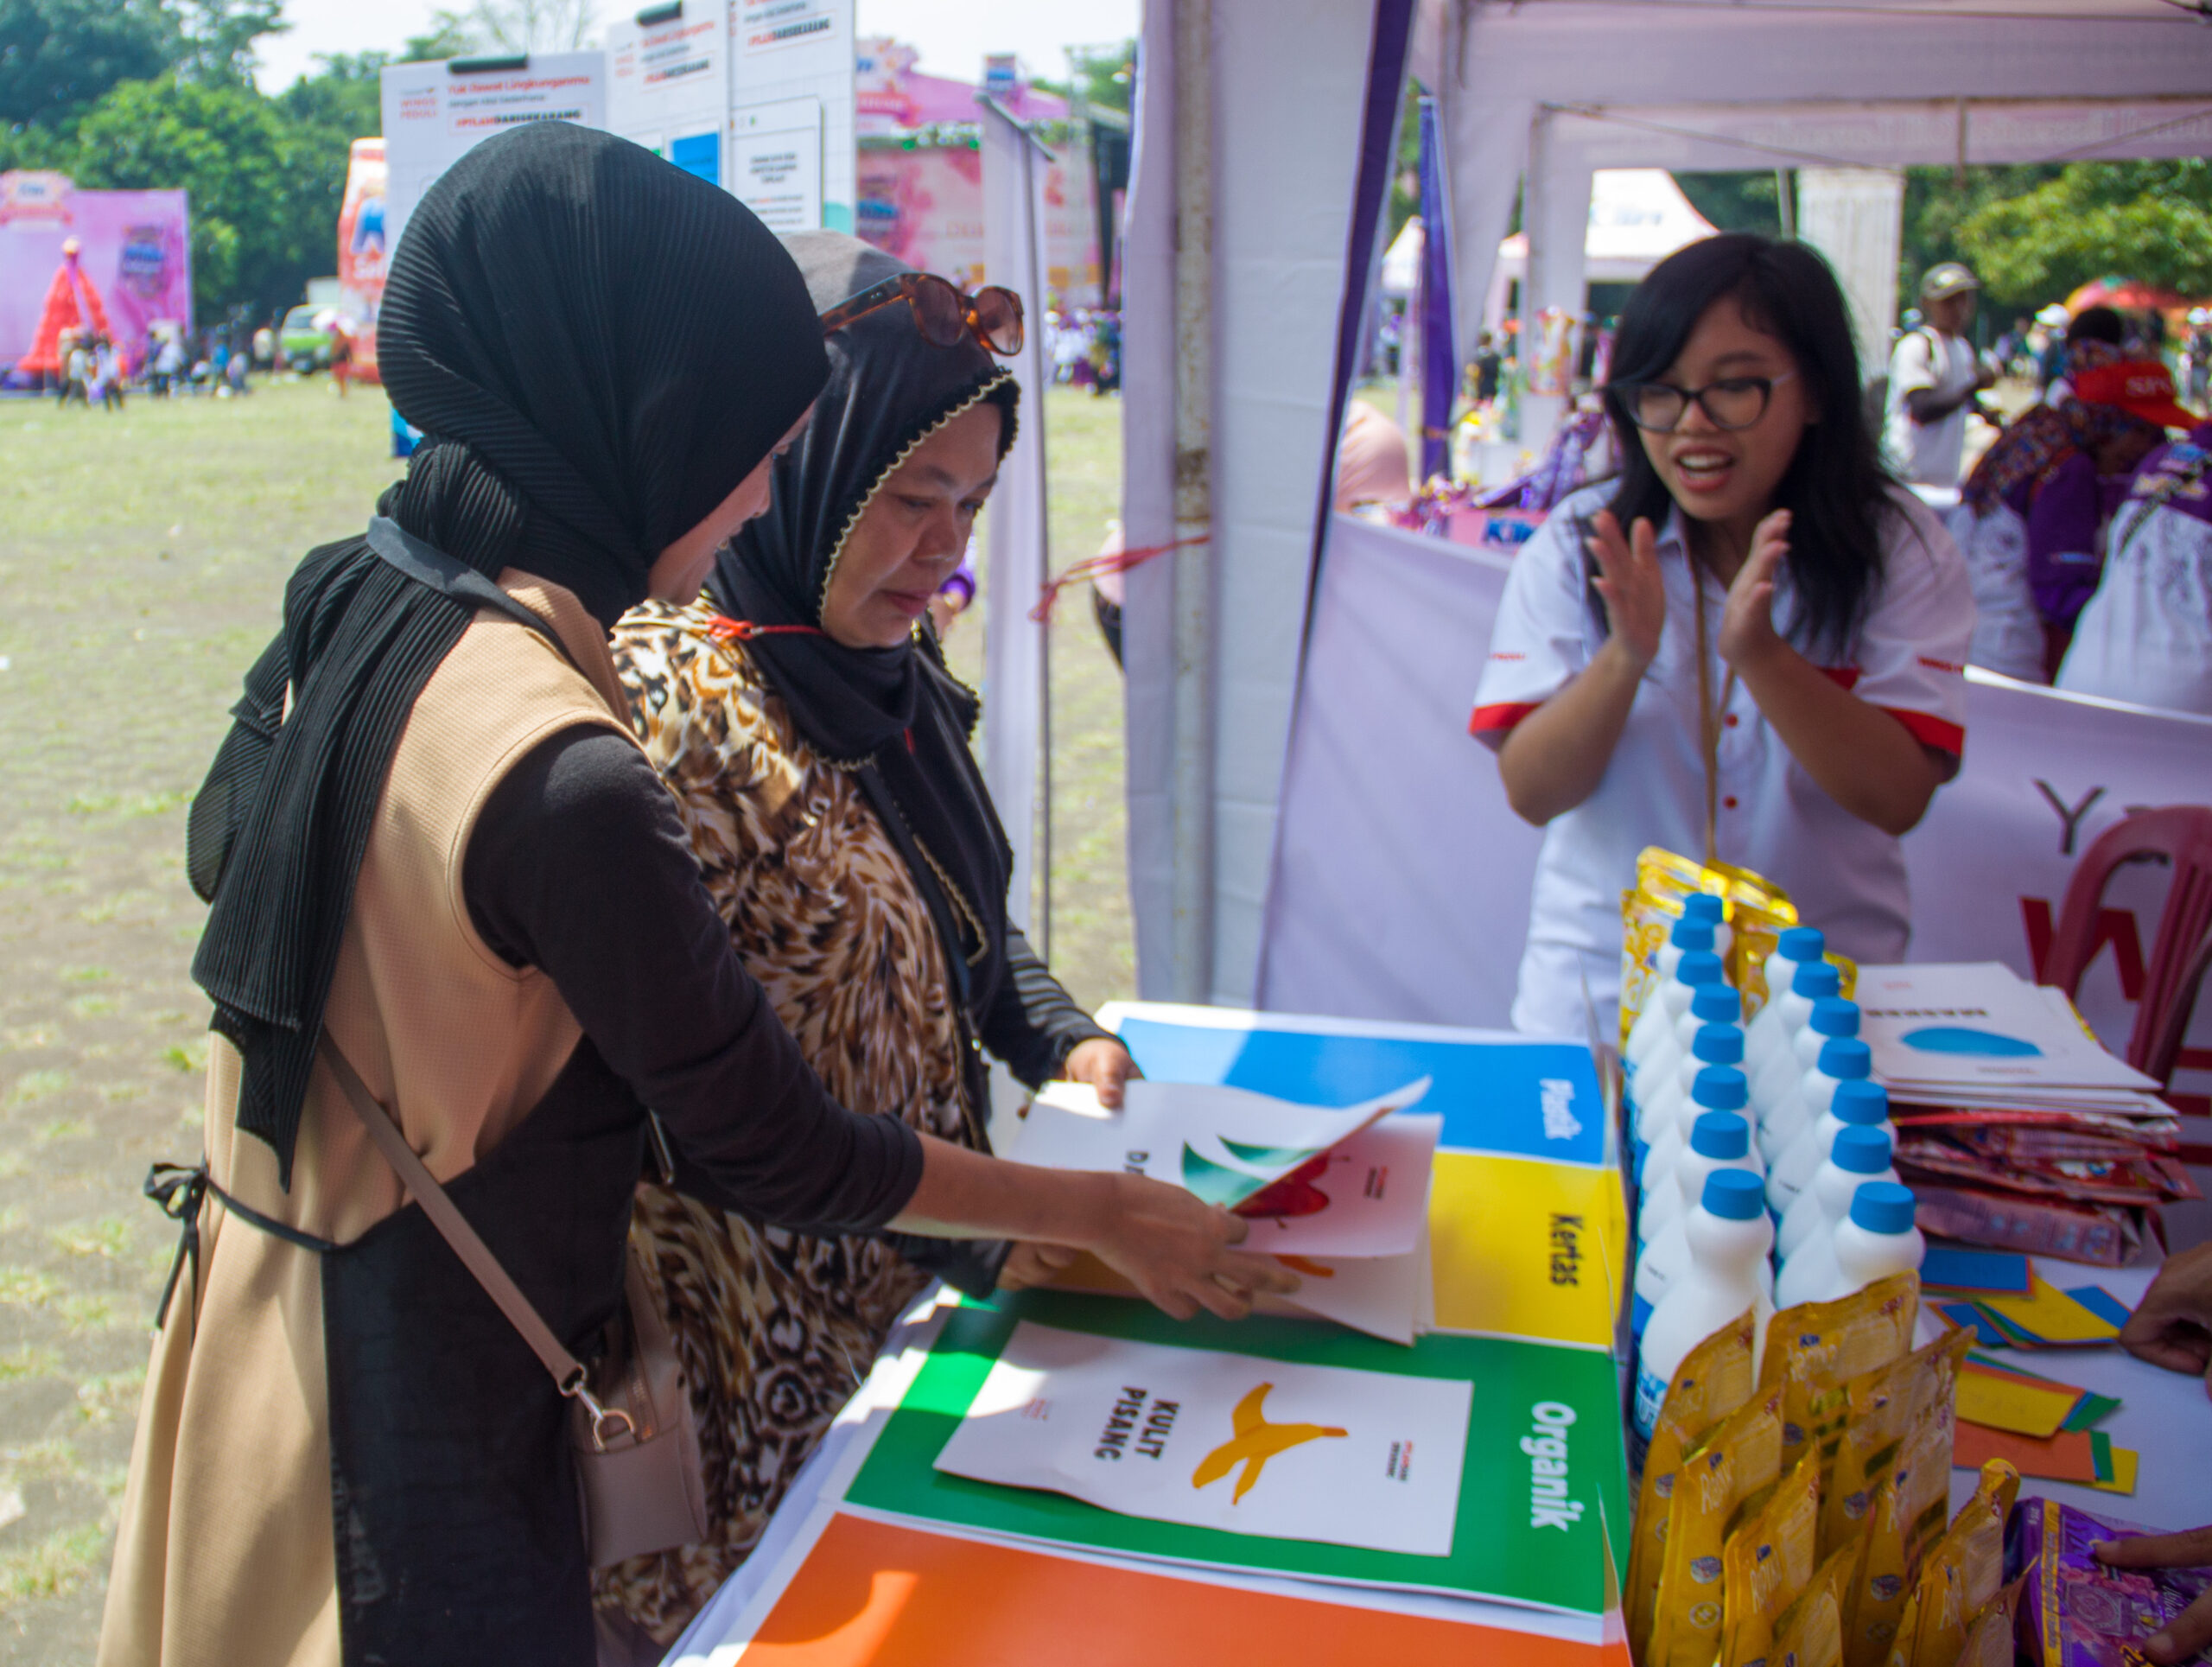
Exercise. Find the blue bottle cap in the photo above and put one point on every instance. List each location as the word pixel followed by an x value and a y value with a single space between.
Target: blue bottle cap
pixel 1833 1016
pixel 1716 1004
pixel 1700 966
pixel 1846 1058
pixel 1691 934
pixel 1859 1100
pixel 1816 979
pixel 1861 1150
pixel 1718 1044
pixel 1722 1134
pixel 1720 1088
pixel 1802 944
pixel 1703 905
pixel 1739 1195
pixel 1879 1206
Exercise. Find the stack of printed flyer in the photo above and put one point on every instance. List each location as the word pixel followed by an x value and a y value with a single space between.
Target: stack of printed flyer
pixel 1433 1472
pixel 2016 1129
pixel 1340 1195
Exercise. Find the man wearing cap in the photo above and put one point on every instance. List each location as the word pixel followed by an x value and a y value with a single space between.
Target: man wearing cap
pixel 1935 375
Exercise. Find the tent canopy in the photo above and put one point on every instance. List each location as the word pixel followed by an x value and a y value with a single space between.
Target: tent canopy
pixel 1252 119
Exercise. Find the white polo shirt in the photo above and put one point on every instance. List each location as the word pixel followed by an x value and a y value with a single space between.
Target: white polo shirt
pixel 1929 453
pixel 1846 876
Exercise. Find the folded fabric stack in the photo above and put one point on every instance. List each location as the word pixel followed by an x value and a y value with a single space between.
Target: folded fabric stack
pixel 2015 1128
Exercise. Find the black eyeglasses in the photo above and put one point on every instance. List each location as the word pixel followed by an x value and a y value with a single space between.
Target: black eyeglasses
pixel 942 312
pixel 1734 402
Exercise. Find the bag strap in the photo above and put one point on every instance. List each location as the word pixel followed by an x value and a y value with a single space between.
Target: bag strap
pixel 569 1373
pixel 431 567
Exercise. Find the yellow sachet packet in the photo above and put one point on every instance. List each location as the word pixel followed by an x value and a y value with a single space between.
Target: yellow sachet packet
pixel 1645 923
pixel 1963 1571
pixel 1767 1562
pixel 1883 1406
pixel 1815 1349
pixel 1759 912
pixel 1809 1633
pixel 1909 1507
pixel 1742 1456
pixel 1714 1379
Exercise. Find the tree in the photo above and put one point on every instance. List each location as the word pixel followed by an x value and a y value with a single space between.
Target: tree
pixel 264 198
pixel 2147 221
pixel 219 36
pixel 521 25
pixel 1736 202
pixel 58 57
pixel 345 96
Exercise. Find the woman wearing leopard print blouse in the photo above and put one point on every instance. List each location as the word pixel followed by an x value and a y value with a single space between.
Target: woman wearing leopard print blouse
pixel 818 747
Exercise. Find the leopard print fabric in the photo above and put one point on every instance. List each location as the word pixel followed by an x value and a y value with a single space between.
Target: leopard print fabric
pixel 775 1329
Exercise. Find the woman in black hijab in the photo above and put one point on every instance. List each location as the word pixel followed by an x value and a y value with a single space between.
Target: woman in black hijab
pixel 803 714
pixel 436 852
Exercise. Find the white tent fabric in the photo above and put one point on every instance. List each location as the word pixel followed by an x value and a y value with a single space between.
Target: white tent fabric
pixel 1551 89
pixel 1638 216
pixel 1013 644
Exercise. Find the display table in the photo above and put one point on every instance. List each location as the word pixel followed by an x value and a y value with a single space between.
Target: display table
pixel 1528 1228
pixel 2165 1417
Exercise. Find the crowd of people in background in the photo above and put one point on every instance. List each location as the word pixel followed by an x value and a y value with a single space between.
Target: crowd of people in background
pixel 221 361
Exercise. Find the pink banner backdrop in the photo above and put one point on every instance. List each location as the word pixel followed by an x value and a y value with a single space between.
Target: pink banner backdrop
pixel 925 205
pixel 136 249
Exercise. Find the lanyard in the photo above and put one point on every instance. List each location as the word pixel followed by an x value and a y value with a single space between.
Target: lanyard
pixel 1708 720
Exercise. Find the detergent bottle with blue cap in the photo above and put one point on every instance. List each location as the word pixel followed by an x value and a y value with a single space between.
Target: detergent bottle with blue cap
pixel 1727 1235
pixel 1779 1109
pixel 1652 1036
pixel 1843 1092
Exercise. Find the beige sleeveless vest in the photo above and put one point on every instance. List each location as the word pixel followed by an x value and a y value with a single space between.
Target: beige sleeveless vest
pixel 225 1549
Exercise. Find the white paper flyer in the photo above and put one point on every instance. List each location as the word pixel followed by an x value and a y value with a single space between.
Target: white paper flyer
pixel 1367 1196
pixel 1219 1441
pixel 1222 1144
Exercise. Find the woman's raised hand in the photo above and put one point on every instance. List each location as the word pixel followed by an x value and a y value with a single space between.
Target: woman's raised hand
pixel 1176 1251
pixel 1628 581
pixel 1747 632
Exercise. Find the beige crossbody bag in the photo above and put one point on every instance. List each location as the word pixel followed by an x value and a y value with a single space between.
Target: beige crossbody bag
pixel 637 1449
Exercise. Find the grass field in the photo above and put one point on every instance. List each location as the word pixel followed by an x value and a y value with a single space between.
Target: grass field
pixel 142 564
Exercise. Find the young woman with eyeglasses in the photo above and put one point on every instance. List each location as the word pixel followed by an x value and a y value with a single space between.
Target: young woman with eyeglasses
pixel 1749 644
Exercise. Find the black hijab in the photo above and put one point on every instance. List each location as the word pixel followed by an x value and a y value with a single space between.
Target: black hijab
pixel 896 715
pixel 598 347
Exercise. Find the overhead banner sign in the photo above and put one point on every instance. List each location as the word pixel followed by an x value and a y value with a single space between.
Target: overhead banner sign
pixel 668 85
pixel 434 113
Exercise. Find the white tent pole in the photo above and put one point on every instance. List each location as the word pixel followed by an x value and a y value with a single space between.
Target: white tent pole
pixel 1193 884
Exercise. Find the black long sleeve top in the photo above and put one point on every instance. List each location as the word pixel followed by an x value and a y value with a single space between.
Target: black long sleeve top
pixel 578 866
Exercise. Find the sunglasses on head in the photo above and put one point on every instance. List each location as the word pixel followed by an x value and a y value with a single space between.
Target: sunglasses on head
pixel 942 312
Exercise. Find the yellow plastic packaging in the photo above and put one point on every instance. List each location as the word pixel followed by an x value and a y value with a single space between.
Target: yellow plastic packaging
pixel 1758 913
pixel 1887 1406
pixel 1767 1562
pixel 1911 1503
pixel 1714 1379
pixel 1814 1350
pixel 1742 1456
pixel 1809 1633
pixel 1961 1576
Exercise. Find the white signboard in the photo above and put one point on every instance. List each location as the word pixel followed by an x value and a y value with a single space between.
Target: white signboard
pixel 433 116
pixel 792 74
pixel 668 84
pixel 776 163
pixel 1222 1441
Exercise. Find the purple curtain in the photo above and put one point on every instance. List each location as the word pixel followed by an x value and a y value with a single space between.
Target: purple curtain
pixel 1439 365
pixel 1378 132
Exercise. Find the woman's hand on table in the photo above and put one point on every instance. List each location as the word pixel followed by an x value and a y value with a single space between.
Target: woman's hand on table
pixel 1033 1263
pixel 1104 1064
pixel 2192 1629
pixel 2172 1327
pixel 1176 1249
